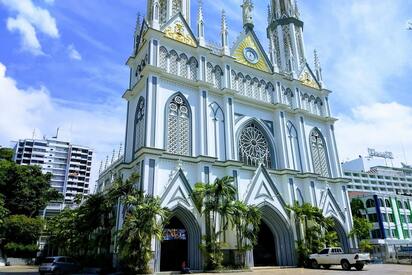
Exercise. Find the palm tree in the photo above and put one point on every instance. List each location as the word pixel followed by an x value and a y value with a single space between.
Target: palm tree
pixel 144 221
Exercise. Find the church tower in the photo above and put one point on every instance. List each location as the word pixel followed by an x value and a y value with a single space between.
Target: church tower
pixel 159 12
pixel 285 32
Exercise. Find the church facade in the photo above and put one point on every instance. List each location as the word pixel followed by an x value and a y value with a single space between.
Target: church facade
pixel 197 112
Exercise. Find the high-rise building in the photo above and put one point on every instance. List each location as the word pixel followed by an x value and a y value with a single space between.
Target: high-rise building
pixel 198 111
pixel 70 166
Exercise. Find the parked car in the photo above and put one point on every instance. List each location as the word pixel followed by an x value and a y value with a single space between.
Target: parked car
pixel 59 265
pixel 335 256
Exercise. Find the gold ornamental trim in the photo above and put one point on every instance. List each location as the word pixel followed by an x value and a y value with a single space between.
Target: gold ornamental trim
pixel 177 33
pixel 307 80
pixel 248 42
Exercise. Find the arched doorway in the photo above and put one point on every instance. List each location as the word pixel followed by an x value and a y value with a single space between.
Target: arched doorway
pixel 343 238
pixel 276 240
pixel 174 246
pixel 264 252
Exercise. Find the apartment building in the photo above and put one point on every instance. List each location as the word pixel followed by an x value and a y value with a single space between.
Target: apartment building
pixel 70 166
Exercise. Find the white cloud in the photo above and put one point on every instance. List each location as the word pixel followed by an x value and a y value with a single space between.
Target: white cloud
pixel 29 19
pixel 73 53
pixel 98 126
pixel 383 126
pixel 363 46
pixel 27 32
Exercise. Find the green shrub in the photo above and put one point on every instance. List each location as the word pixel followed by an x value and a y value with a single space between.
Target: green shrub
pixel 18 250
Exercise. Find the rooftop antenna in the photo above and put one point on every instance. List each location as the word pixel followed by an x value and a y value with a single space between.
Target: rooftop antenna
pixel 34 133
pixel 120 151
pixel 404 153
pixel 57 133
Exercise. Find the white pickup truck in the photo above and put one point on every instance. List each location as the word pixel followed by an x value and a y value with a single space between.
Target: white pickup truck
pixel 335 256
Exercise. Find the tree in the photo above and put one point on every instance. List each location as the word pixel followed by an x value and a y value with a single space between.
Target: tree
pixel 21 234
pixel 217 203
pixel 145 219
pixel 246 220
pixel 6 154
pixel 25 189
pixel 318 230
pixel 357 207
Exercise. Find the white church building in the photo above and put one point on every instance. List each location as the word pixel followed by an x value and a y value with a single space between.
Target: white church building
pixel 196 112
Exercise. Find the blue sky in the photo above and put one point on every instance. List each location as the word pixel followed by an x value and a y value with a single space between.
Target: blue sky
pixel 62 65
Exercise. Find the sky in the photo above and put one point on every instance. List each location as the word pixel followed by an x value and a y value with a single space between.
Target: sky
pixel 62 64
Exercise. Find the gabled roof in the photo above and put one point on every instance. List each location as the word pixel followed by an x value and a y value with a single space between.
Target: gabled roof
pixel 249 39
pixel 178 29
pixel 308 78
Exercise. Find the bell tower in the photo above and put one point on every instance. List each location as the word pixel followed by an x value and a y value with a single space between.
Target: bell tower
pixel 285 32
pixel 159 12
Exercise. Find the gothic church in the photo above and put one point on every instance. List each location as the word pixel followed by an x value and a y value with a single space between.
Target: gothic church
pixel 197 111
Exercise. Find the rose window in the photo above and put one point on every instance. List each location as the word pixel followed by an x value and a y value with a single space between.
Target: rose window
pixel 254 147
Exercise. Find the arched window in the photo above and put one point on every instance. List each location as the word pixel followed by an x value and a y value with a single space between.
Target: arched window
pixel 209 73
pixel 319 106
pixel 400 206
pixel 293 146
pixel 163 58
pixel 262 91
pixel 218 77
pixel 288 97
pixel 176 6
pixel 139 130
pixel 319 154
pixel 193 68
pixel 173 62
pixel 183 65
pixel 233 80
pixel 254 146
pixel 241 82
pixel 216 132
pixel 270 90
pixel 370 203
pixel 388 203
pixel 178 125
pixel 381 204
pixel 248 84
pixel 406 206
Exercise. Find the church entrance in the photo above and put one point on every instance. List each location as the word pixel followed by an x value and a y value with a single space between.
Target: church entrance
pixel 174 246
pixel 264 252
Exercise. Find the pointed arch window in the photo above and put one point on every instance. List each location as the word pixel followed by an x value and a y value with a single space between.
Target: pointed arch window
pixel 183 65
pixel 173 62
pixel 216 132
pixel 139 130
pixel 163 58
pixel 293 144
pixel 319 154
pixel 178 125
pixel 193 68
pixel 254 146
pixel 209 73
pixel 218 77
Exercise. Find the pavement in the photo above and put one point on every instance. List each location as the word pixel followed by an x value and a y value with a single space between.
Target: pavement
pixel 375 269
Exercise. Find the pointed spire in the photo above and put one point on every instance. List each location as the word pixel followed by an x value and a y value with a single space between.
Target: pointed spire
pixel 318 67
pixel 107 162
pixel 247 13
pixel 101 167
pixel 297 12
pixel 113 154
pixel 224 34
pixel 269 14
pixel 201 24
pixel 120 151
pixel 137 33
